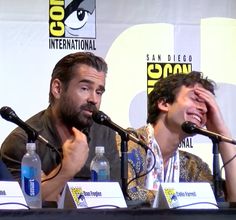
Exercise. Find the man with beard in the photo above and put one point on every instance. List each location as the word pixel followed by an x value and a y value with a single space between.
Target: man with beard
pixel 76 88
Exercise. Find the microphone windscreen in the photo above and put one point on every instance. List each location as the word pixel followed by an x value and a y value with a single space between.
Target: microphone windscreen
pixel 188 127
pixel 7 113
pixel 100 117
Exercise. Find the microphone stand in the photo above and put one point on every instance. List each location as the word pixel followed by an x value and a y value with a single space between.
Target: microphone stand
pixel 101 118
pixel 125 137
pixel 124 162
pixel 217 180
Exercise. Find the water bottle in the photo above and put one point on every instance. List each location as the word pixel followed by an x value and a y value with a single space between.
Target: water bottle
pixel 100 167
pixel 31 177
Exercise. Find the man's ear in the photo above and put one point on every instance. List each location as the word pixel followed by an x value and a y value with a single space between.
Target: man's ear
pixel 163 105
pixel 56 88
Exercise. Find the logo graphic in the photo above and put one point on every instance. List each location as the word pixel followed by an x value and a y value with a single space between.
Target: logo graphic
pixel 78 196
pixel 72 24
pixel 171 197
pixel 156 69
pixel 80 19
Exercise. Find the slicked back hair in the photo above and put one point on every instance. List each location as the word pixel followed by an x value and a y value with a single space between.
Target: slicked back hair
pixel 63 70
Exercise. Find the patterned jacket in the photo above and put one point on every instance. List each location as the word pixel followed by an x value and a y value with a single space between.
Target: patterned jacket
pixel 192 168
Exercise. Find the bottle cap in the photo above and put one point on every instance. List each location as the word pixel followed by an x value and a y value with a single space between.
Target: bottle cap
pixel 30 146
pixel 99 149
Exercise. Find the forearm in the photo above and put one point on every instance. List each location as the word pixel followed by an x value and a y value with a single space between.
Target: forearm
pixel 52 188
pixel 75 154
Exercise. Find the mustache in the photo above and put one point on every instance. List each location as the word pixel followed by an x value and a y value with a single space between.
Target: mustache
pixel 89 107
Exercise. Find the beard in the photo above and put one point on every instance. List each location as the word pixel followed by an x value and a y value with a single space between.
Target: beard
pixel 73 115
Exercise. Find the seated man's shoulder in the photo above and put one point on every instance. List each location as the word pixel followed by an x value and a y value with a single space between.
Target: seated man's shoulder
pixel 18 137
pixel 184 155
pixel 140 133
pixel 193 168
pixel 189 159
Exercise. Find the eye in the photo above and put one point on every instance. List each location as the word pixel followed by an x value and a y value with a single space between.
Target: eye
pixel 84 88
pixel 77 19
pixel 82 15
pixel 100 92
pixel 193 97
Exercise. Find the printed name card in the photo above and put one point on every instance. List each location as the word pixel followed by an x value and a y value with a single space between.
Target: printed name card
pixel 185 196
pixel 11 196
pixel 92 195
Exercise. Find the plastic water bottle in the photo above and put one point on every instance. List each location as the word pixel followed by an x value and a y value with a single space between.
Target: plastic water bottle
pixel 100 167
pixel 31 177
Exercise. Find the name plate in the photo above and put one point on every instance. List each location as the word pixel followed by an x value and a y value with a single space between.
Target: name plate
pixel 92 195
pixel 11 196
pixel 185 196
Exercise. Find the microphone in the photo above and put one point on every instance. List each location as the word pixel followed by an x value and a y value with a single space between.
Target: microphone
pixel 101 118
pixel 192 128
pixel 8 114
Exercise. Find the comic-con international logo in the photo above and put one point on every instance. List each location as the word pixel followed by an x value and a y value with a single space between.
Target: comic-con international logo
pixel 72 24
pixel 160 66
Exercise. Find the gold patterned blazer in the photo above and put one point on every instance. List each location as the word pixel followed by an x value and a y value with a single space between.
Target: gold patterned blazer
pixel 192 168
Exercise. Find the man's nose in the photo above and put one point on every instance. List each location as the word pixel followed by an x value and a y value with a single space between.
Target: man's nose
pixel 93 98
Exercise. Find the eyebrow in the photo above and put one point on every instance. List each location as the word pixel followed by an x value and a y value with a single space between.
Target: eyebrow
pixel 102 88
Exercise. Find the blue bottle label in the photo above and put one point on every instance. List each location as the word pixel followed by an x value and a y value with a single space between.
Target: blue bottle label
pixel 94 175
pixel 101 175
pixel 31 185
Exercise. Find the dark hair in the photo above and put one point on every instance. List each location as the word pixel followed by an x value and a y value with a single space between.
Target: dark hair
pixel 167 88
pixel 63 70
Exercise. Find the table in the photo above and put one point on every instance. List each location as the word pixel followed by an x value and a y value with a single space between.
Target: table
pixel 119 214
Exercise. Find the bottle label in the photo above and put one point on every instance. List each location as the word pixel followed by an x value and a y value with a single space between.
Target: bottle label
pixel 31 185
pixel 94 175
pixel 101 175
